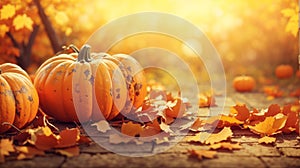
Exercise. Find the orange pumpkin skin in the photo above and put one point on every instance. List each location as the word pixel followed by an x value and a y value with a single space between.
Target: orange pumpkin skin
pixel 84 85
pixel 244 83
pixel 284 71
pixel 18 98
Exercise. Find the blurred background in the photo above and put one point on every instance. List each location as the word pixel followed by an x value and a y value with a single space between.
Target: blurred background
pixel 252 37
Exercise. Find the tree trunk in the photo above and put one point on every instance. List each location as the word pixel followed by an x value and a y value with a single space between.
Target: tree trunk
pixel 54 40
pixel 24 59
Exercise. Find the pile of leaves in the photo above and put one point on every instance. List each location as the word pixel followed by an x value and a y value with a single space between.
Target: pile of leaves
pixel 42 137
pixel 152 123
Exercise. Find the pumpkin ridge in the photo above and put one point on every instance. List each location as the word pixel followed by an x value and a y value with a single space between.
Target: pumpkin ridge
pixel 18 91
pixel 7 113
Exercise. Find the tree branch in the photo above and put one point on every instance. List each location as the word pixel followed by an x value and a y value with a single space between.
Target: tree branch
pixel 13 40
pixel 55 42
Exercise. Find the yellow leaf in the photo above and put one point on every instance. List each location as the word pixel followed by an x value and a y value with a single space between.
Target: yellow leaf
pixel 22 21
pixel 267 140
pixel 102 126
pixel 3 30
pixel 7 11
pixel 200 154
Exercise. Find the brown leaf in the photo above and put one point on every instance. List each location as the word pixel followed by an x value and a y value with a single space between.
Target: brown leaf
pixel 22 138
pixel 197 125
pixel 273 110
pixel 6 146
pixel 200 154
pixel 149 131
pixel 243 112
pixel 102 126
pixel 68 138
pixel 225 145
pixel 267 140
pixel 28 152
pixel 84 140
pixel 69 152
pixel 45 142
pixel 131 129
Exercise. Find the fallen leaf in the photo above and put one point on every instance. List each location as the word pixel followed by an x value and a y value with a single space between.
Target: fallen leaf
pixel 84 140
pixel 117 139
pixel 102 126
pixel 68 138
pixel 69 152
pixel 273 110
pixel 149 131
pixel 197 125
pixel 22 138
pixel 211 138
pixel 166 128
pixel 243 112
pixel 226 145
pixel 28 152
pixel 45 142
pixel 206 100
pixel 270 126
pixel 6 146
pixel 131 129
pixel 200 154
pixel 266 140
pixel 296 92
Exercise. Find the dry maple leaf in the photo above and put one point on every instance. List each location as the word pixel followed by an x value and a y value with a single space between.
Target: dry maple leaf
pixel 6 146
pixel 166 128
pixel 102 126
pixel 68 138
pixel 226 145
pixel 242 112
pixel 69 152
pixel 273 110
pixel 270 126
pixel 206 100
pixel 131 129
pixel 197 125
pixel 200 154
pixel 149 131
pixel 211 138
pixel 267 140
pixel 28 152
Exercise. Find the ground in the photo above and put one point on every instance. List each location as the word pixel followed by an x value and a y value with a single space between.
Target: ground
pixel 284 153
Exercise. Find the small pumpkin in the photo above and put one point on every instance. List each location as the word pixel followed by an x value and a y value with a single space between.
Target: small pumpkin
pixel 284 71
pixel 89 86
pixel 244 83
pixel 18 98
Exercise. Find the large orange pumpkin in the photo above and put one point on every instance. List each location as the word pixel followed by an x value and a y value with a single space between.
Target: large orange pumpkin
pixel 244 83
pixel 89 86
pixel 18 98
pixel 284 71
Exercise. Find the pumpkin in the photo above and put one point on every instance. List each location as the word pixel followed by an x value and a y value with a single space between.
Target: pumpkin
pixel 284 71
pixel 18 98
pixel 244 83
pixel 83 86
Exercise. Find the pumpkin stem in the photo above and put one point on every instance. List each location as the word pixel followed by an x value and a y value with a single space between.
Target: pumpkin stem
pixel 84 54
